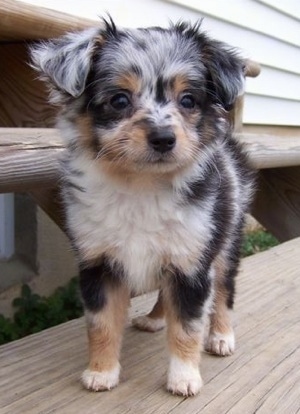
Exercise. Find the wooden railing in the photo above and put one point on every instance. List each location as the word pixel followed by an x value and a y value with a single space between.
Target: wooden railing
pixel 30 156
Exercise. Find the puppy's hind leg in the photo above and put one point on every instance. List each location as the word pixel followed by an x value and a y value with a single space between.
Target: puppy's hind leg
pixel 220 339
pixel 155 320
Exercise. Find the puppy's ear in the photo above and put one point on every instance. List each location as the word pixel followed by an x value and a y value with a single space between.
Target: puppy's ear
pixel 225 73
pixel 65 62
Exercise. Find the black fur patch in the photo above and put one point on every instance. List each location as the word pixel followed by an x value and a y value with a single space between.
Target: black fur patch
pixel 94 281
pixel 233 263
pixel 134 68
pixel 140 45
pixel 160 90
pixel 70 184
pixel 201 188
pixel 190 293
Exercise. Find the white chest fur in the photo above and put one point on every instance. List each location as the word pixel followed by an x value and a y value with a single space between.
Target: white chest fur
pixel 143 229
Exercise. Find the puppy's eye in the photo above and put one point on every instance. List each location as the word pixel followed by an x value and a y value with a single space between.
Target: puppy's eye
pixel 187 101
pixel 120 101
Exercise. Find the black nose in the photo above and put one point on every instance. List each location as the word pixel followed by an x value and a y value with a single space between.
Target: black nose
pixel 162 141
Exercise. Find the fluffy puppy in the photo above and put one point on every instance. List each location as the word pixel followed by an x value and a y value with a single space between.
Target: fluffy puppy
pixel 155 186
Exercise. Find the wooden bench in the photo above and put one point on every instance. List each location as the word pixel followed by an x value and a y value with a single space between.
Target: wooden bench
pixel 40 373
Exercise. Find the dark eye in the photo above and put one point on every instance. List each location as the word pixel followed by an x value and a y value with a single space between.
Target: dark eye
pixel 187 101
pixel 120 101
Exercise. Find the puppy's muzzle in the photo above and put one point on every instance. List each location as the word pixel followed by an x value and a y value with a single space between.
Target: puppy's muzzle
pixel 162 140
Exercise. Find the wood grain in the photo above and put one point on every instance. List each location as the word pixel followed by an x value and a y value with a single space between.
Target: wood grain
pixel 23 98
pixel 29 156
pixel 277 202
pixel 24 21
pixel 40 373
pixel 271 151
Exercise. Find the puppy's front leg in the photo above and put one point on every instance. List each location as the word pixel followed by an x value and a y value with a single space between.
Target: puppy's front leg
pixel 106 301
pixel 186 298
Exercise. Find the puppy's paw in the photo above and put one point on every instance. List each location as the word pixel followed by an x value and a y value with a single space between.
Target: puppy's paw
pixel 183 378
pixel 100 381
pixel 220 344
pixel 145 323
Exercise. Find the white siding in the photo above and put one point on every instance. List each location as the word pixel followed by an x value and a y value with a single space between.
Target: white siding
pixel 267 31
pixel 289 7
pixel 251 15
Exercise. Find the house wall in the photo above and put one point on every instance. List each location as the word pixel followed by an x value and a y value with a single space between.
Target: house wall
pixel 265 30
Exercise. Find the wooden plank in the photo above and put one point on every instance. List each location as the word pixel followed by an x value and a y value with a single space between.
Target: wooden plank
pixel 49 199
pixel 21 21
pixel 23 98
pixel 271 151
pixel 40 373
pixel 29 156
pixel 277 202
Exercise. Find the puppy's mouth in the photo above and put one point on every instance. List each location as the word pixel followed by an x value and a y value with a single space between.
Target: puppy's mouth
pixel 161 159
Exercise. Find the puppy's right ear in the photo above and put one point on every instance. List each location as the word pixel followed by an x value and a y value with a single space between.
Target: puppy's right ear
pixel 65 62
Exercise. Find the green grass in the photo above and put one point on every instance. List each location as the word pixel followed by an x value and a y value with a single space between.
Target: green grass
pixel 35 313
pixel 258 241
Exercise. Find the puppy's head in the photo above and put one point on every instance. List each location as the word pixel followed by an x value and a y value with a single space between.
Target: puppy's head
pixel 142 99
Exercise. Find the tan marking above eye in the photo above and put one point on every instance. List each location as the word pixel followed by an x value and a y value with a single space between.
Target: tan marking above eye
pixel 180 84
pixel 130 81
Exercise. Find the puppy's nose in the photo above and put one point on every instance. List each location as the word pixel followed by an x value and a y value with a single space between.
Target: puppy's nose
pixel 162 141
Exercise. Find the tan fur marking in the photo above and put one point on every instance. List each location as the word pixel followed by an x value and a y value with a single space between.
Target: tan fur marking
pixel 105 330
pixel 99 41
pixel 220 319
pixel 130 82
pixel 85 128
pixel 186 345
pixel 180 85
pixel 124 143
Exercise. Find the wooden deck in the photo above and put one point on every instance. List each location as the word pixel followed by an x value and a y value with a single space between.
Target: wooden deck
pixel 40 373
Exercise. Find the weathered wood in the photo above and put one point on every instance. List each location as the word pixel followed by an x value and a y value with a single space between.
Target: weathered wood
pixel 49 199
pixel 21 21
pixel 23 98
pixel 271 151
pixel 29 156
pixel 40 373
pixel 277 203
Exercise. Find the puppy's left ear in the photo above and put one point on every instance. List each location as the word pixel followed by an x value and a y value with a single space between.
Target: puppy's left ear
pixel 226 72
pixel 65 62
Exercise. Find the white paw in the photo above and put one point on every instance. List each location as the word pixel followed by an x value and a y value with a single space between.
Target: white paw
pixel 220 344
pixel 183 378
pixel 144 323
pixel 100 381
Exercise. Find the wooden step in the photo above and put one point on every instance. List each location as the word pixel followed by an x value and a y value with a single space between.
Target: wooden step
pixel 40 373
pixel 21 21
pixel 29 156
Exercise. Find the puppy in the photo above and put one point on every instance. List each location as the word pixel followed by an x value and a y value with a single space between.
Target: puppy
pixel 155 186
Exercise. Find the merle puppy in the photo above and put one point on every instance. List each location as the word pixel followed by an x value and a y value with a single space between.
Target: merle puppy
pixel 155 186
